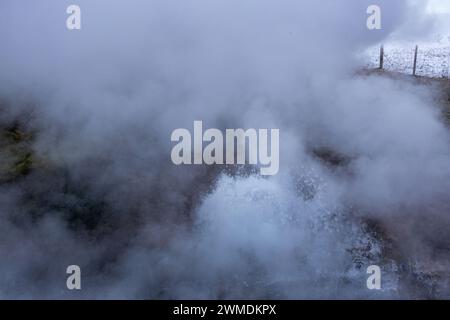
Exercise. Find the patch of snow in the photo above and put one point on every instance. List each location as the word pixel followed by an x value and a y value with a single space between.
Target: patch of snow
pixel 433 59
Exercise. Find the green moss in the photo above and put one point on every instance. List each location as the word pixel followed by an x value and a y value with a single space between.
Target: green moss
pixel 23 167
pixel 16 156
pixel 14 134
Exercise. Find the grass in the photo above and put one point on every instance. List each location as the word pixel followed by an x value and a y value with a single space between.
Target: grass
pixel 16 156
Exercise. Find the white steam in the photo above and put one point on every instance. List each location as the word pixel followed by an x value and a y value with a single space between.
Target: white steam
pixel 104 194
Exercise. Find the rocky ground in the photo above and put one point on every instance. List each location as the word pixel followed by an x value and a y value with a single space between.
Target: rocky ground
pixel 417 277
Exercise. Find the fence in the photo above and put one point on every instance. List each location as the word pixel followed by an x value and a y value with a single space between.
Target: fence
pixel 426 61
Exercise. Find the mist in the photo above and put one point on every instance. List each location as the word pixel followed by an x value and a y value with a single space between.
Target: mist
pixel 364 175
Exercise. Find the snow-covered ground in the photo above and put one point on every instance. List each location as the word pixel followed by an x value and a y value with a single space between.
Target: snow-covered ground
pixel 433 58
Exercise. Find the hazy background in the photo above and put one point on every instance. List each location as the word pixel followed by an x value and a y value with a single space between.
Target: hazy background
pixel 100 104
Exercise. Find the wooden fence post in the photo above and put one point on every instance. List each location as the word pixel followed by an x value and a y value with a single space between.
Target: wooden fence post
pixel 381 57
pixel 415 60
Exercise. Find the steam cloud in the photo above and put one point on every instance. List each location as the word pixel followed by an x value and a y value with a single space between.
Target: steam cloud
pixel 103 194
